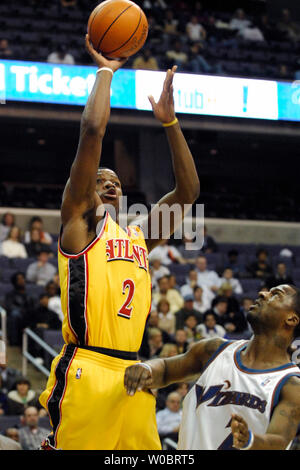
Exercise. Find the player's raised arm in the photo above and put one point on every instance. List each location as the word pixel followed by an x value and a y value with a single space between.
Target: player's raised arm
pixel 283 425
pixel 187 185
pixel 159 373
pixel 79 195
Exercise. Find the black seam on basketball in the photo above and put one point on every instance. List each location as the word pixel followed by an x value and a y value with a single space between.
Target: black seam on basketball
pixel 127 8
pixel 128 38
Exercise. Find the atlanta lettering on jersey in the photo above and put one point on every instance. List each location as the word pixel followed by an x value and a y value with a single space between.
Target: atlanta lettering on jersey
pixel 228 397
pixel 120 249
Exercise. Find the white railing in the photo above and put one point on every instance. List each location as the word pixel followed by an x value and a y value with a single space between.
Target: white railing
pixel 167 443
pixel 28 357
pixel 3 330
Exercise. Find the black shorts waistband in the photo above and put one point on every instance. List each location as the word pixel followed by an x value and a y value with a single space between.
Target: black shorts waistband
pixel 127 355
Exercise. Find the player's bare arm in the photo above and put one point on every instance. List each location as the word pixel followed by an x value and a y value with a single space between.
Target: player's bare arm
pixel 159 373
pixel 80 199
pixel 283 426
pixel 187 185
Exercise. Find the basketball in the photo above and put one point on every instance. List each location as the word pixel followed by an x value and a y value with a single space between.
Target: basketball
pixel 117 28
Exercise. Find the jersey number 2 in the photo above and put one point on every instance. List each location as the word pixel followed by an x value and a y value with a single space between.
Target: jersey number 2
pixel 125 310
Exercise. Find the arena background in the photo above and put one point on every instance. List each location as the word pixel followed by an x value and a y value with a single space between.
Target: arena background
pixel 248 168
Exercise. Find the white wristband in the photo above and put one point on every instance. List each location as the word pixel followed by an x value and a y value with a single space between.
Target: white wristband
pixel 105 68
pixel 147 366
pixel 250 441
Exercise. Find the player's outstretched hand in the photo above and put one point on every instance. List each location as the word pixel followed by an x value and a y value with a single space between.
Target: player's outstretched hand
pixel 240 431
pixel 100 60
pixel 137 377
pixel 164 109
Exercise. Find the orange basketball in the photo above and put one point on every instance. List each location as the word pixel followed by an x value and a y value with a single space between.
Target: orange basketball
pixel 117 28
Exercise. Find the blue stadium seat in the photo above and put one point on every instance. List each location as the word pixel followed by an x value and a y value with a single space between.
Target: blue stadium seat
pixel 12 421
pixel 251 285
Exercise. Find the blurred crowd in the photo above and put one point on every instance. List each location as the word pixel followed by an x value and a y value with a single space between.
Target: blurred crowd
pixel 188 34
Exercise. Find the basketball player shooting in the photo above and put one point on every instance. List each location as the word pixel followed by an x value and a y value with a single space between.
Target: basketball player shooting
pixel 248 393
pixel 106 287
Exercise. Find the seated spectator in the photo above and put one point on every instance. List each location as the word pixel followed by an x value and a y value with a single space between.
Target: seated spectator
pixel 9 376
pixel 201 302
pixel 198 64
pixel 35 245
pixel 145 61
pixel 219 308
pixel 168 419
pixel 155 340
pixel 5 50
pixel 234 264
pixel 289 28
pixel 168 254
pixel 176 56
pixel 239 20
pixel 206 277
pixel 168 350
pixel 31 434
pixel 166 319
pixel 157 270
pixel 173 282
pixel 209 243
pixel 226 291
pixel 189 248
pixel 12 246
pixel 13 433
pixel 190 327
pixel 187 309
pixel 22 397
pixel 195 31
pixel 37 223
pixel 181 341
pixel 170 24
pixel 153 322
pixel 210 328
pixel 233 319
pixel 54 302
pixel 171 295
pixel 41 271
pixel 7 223
pixel 183 389
pixel 8 444
pixel 251 33
pixel 191 283
pixel 280 277
pixel 61 56
pixel 18 305
pixel 260 269
pixel 227 277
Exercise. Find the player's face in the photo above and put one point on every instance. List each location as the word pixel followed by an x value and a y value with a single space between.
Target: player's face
pixel 109 187
pixel 271 306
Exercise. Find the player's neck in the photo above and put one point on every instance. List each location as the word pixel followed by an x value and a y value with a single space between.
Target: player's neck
pixel 265 351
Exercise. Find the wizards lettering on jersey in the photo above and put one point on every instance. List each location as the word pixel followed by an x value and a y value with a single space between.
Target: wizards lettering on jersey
pixel 228 397
pixel 120 249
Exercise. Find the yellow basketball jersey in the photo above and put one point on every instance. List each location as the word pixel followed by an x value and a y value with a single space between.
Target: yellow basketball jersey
pixel 106 289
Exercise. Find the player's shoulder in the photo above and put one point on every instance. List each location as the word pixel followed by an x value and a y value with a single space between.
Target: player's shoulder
pixel 207 349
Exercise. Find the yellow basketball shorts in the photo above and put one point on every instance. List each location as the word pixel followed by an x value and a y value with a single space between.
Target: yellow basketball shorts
pixel 89 408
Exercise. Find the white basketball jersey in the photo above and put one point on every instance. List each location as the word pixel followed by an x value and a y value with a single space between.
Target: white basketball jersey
pixel 226 387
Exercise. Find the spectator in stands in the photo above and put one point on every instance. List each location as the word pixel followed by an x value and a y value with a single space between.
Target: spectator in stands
pixel 164 292
pixel 22 397
pixel 168 254
pixel 233 263
pixel 210 328
pixel 7 222
pixel 190 327
pixel 13 433
pixel 31 434
pixel 289 28
pixel 195 31
pixel 227 277
pixel 18 305
pixel 218 308
pixel 209 243
pixel 226 290
pixel 206 277
pixel 187 309
pixel 191 283
pixel 61 56
pixel 155 340
pixel 35 245
pixel 233 320
pixel 3 400
pixel 168 350
pixel 153 322
pixel 239 20
pixel 189 248
pixel 181 341
pixel 173 282
pixel 166 319
pixel 8 444
pixel 157 270
pixel 12 246
pixel 168 419
pixel 9 376
pixel 54 302
pixel 201 302
pixel 176 56
pixel 5 49
pixel 41 271
pixel 170 25
pixel 251 33
pixel 145 61
pixel 260 269
pixel 280 277
pixel 37 223
pixel 198 64
pixel 285 72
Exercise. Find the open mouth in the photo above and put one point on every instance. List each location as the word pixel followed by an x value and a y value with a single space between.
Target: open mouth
pixel 111 194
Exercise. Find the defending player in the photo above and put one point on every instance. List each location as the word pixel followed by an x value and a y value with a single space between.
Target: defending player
pixel 248 393
pixel 106 287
